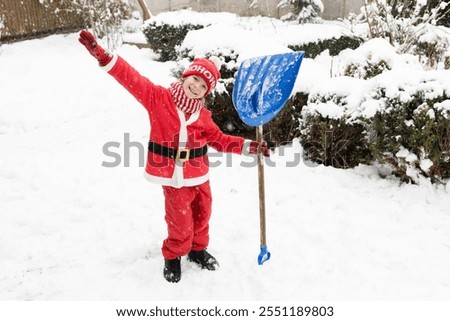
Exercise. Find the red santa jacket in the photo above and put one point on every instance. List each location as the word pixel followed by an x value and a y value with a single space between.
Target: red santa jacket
pixel 169 127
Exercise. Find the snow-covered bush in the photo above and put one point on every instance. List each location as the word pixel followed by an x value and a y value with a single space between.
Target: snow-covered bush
pixel 432 46
pixel 286 125
pixel 164 38
pixel 412 129
pixel 407 129
pixel 313 39
pixel 400 118
pixel 373 58
pixel 105 17
pixel 334 142
pixel 333 45
pixel 133 24
pixel 305 11
pixel 332 126
pixel 444 19
pixel 166 31
pixel 407 26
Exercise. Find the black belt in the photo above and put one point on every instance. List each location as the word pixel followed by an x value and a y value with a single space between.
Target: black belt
pixel 180 154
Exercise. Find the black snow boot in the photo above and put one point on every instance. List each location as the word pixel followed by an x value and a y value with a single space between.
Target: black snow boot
pixel 204 259
pixel 172 270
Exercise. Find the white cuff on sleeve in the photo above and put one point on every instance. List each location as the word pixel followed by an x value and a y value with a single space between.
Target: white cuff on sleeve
pixel 246 147
pixel 111 64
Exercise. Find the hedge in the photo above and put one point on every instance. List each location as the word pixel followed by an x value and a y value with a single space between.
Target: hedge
pixel 164 38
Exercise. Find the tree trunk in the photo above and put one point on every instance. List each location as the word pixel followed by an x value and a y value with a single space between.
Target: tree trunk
pixel 145 12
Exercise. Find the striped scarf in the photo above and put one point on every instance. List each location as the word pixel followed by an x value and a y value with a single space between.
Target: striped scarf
pixel 183 102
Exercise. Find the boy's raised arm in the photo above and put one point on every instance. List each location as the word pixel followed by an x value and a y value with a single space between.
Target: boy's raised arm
pixel 139 86
pixel 88 40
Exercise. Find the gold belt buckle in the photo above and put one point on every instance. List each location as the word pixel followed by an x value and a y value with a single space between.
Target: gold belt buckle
pixel 182 155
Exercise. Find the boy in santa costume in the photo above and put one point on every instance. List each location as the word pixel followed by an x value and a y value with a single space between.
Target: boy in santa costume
pixel 181 130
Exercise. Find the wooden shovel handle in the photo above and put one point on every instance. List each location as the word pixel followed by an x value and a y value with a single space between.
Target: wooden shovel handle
pixel 262 202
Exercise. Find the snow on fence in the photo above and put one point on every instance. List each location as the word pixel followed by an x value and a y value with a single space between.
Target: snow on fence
pixel 29 18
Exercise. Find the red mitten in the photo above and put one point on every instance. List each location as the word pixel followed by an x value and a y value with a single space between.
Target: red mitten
pixel 88 40
pixel 254 148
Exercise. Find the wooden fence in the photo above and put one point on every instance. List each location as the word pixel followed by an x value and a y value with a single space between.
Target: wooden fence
pixel 29 18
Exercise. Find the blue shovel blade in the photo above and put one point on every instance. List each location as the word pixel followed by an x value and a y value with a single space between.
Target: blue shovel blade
pixel 264 255
pixel 263 85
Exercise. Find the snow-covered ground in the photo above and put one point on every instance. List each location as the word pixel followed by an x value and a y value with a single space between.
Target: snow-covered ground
pixel 72 229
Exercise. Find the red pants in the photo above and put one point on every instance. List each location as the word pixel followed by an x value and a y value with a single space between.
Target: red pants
pixel 188 210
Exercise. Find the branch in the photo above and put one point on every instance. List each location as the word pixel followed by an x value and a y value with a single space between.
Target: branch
pixel 145 11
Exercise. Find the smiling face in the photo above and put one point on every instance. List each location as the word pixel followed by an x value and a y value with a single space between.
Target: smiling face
pixel 194 87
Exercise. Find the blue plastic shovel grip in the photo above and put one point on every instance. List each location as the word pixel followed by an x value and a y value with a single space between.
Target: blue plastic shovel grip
pixel 264 255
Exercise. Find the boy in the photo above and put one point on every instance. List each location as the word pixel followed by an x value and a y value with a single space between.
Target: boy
pixel 181 129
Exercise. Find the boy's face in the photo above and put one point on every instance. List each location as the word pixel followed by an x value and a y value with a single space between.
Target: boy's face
pixel 194 87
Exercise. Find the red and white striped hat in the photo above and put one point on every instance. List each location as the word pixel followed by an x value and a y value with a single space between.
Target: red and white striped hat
pixel 207 69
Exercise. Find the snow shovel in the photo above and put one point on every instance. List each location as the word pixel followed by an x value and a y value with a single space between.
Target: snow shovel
pixel 262 87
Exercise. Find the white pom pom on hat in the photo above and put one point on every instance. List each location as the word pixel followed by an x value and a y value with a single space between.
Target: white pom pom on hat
pixel 207 69
pixel 216 61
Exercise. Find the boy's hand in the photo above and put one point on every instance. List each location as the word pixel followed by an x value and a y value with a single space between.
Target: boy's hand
pixel 254 148
pixel 88 40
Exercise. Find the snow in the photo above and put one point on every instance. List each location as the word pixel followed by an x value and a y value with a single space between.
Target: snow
pixel 352 91
pixel 249 44
pixel 378 50
pixel 404 78
pixel 181 17
pixel 72 229
pixel 258 36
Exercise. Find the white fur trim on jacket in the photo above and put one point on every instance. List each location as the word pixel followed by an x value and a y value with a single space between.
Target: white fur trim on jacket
pixel 111 64
pixel 246 148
